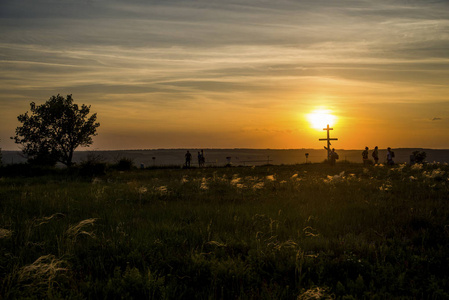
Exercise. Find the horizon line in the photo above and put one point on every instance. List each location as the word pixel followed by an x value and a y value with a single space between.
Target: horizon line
pixel 237 148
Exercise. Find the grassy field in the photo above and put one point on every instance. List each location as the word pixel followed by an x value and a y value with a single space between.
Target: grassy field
pixel 271 232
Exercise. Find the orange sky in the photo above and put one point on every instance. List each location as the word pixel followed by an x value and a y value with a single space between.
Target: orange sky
pixel 209 74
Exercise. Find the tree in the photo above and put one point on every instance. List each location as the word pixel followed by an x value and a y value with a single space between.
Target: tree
pixel 53 130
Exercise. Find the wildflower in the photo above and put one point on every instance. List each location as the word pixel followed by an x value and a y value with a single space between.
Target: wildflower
pixel 239 185
pixel 161 189
pixel 204 184
pixel 270 178
pixel 331 178
pixel 400 167
pixel 416 167
pixel 294 176
pixel 385 187
pixel 283 181
pixel 258 186
pixel 235 181
pixel 379 165
pixel 184 179
pixel 5 233
pixel 412 178
pixel 142 190
pixel 435 174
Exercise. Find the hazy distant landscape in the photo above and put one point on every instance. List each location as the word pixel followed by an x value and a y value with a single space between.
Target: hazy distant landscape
pixel 239 157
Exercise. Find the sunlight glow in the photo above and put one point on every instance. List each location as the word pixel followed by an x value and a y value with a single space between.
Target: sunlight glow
pixel 320 118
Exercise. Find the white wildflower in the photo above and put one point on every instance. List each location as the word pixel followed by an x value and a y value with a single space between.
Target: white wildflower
pixel 258 186
pixel 385 187
pixel 5 233
pixel 270 178
pixel 236 181
pixel 204 185
pixel 96 180
pixel 417 167
pixel 142 190
pixel 161 189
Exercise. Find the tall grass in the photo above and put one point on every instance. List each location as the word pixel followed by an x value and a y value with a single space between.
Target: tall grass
pixel 275 232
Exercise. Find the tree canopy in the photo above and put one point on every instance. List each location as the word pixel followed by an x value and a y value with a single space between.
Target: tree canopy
pixel 53 130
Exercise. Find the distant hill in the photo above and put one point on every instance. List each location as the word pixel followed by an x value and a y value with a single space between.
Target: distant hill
pixel 248 157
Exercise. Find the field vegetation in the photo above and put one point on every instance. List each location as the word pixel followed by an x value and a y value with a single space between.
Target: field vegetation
pixel 308 231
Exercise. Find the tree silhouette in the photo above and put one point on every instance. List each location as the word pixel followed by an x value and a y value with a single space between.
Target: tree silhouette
pixel 53 130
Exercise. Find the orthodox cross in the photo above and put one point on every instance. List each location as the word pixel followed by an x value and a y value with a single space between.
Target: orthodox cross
pixel 328 139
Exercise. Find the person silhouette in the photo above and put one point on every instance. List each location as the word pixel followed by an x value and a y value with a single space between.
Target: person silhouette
pixel 188 158
pixel 333 157
pixel 203 159
pixel 390 156
pixel 375 155
pixel 365 156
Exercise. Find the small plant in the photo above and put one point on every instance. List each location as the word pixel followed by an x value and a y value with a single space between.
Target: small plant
pixel 124 164
pixel 419 156
pixel 94 165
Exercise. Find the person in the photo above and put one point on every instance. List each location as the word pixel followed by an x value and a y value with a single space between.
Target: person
pixel 200 159
pixel 333 157
pixel 375 155
pixel 203 159
pixel 390 156
pixel 188 158
pixel 365 156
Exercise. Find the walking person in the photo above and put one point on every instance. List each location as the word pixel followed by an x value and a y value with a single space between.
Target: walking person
pixel 375 155
pixel 365 156
pixel 390 156
pixel 188 158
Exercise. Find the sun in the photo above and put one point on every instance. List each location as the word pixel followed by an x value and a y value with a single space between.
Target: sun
pixel 320 118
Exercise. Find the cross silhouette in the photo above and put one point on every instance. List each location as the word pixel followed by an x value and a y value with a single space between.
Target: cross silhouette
pixel 328 139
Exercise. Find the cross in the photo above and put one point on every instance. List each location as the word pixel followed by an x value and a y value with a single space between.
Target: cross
pixel 328 139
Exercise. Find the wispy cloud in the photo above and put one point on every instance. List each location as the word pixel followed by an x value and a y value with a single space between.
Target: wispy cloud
pixel 252 54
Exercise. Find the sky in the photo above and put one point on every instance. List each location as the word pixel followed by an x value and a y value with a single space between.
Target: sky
pixel 232 74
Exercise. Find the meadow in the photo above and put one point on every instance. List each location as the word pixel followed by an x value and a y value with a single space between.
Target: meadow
pixel 306 231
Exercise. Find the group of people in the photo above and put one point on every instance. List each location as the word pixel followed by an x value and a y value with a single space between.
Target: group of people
pixel 375 155
pixel 201 159
pixel 332 155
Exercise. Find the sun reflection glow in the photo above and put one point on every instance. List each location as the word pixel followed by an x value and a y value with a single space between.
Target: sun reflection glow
pixel 320 118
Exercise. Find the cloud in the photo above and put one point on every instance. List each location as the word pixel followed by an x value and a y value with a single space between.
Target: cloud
pixel 437 119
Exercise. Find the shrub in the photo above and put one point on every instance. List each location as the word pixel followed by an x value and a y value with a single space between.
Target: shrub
pixel 124 164
pixel 419 156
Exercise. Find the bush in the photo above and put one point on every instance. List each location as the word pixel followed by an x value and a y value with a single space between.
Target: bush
pixel 91 169
pixel 25 170
pixel 419 156
pixel 124 164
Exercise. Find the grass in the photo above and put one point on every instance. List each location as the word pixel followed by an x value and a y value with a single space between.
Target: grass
pixel 306 231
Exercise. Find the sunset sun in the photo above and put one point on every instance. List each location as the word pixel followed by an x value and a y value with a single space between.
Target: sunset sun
pixel 320 118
